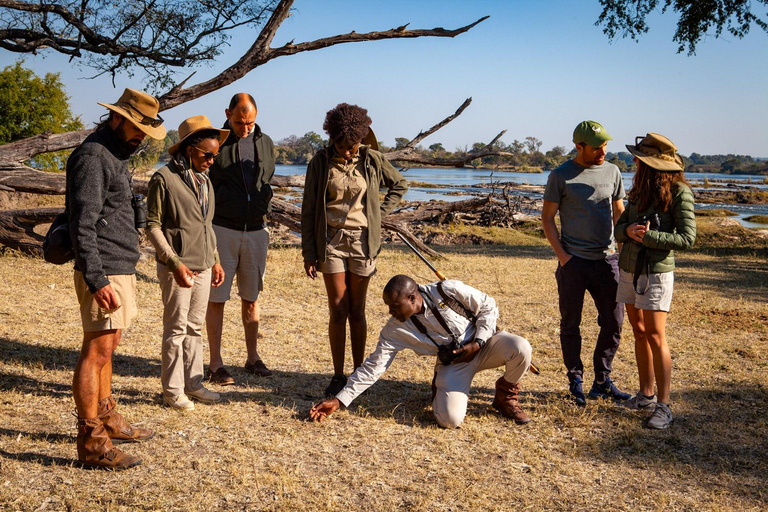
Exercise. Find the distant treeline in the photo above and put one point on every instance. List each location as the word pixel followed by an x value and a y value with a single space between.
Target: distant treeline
pixel 525 156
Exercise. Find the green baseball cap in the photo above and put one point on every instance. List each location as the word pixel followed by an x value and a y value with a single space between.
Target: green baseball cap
pixel 591 133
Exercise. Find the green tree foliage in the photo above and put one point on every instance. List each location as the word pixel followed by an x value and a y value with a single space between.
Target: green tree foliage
pixel 298 150
pixel 32 105
pixel 697 18
pixel 401 142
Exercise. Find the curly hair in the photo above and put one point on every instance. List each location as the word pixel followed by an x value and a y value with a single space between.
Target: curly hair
pixel 651 187
pixel 347 124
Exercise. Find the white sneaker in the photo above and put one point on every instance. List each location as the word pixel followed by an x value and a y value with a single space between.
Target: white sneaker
pixel 179 402
pixel 640 403
pixel 204 395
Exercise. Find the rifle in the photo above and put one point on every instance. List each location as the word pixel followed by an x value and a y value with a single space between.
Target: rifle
pixel 534 369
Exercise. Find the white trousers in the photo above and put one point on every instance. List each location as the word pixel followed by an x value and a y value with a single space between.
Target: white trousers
pixel 453 381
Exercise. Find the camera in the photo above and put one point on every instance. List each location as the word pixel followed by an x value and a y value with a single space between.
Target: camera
pixel 445 352
pixel 653 219
pixel 139 204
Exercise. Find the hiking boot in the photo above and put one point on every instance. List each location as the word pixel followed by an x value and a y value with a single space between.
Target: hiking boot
pixel 607 390
pixel 576 392
pixel 506 401
pixel 258 368
pixel 204 395
pixel 95 450
pixel 220 377
pixel 661 417
pixel 337 384
pixel 180 402
pixel 119 430
pixel 640 402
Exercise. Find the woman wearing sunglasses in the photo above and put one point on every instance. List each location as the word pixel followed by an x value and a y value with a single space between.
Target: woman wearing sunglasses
pixel 341 225
pixel 180 208
pixel 658 221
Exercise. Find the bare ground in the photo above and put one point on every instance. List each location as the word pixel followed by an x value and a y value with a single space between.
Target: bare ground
pixel 257 451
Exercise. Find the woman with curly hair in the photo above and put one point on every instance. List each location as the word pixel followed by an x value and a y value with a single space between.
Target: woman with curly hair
pixel 341 226
pixel 657 221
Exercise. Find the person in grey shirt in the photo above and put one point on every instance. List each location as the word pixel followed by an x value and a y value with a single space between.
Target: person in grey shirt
pixel 588 193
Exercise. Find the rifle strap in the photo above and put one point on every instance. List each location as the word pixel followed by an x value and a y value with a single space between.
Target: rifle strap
pixel 456 305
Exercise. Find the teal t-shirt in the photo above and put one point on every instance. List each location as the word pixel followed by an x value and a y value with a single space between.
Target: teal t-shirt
pixel 586 196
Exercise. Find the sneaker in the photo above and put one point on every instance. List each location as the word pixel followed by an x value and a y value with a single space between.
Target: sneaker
pixel 640 403
pixel 180 402
pixel 607 390
pixel 337 384
pixel 220 377
pixel 204 395
pixel 258 368
pixel 661 417
pixel 576 392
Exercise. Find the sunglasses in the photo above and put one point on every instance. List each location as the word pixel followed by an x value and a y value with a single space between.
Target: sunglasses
pixel 145 120
pixel 207 154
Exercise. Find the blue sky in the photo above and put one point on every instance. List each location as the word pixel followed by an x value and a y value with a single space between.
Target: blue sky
pixel 535 68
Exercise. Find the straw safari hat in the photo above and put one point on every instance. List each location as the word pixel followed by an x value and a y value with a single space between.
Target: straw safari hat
pixel 194 125
pixel 658 152
pixel 141 110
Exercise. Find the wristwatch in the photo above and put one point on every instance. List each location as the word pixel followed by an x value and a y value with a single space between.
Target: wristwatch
pixel 481 342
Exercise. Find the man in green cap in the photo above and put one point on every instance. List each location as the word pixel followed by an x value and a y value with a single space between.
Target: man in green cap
pixel 588 193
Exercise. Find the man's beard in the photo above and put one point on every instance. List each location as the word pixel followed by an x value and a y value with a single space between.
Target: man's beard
pixel 127 147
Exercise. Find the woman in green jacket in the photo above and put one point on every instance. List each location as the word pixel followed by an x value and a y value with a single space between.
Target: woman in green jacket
pixel 658 220
pixel 341 225
pixel 180 206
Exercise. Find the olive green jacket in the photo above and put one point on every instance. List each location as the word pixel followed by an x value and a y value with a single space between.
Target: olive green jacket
pixel 676 232
pixel 173 207
pixel 378 172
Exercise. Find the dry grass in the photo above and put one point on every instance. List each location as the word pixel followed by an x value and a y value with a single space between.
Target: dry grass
pixel 259 452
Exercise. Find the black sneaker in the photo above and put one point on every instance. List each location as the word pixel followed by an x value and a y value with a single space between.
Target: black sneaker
pixel 607 390
pixel 577 393
pixel 337 384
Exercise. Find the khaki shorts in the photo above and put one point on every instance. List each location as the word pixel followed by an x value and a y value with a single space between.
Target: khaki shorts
pixel 347 251
pixel 658 290
pixel 95 318
pixel 242 254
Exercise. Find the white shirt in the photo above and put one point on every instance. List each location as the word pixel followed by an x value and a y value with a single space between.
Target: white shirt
pixel 397 335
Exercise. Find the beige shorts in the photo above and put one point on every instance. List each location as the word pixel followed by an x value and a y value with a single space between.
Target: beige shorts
pixel 658 290
pixel 347 251
pixel 242 254
pixel 95 318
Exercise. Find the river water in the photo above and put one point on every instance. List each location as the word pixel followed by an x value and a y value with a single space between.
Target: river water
pixel 463 180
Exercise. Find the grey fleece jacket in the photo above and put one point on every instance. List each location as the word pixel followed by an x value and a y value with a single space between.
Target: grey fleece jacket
pixel 98 203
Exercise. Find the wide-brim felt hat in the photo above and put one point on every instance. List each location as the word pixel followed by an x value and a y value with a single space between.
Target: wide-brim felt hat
pixel 370 139
pixel 193 125
pixel 141 110
pixel 658 152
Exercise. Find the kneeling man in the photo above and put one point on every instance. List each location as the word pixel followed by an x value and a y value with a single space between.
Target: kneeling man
pixel 458 324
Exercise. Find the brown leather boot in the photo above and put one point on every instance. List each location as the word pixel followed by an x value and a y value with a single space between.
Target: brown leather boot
pixel 95 450
pixel 506 401
pixel 119 430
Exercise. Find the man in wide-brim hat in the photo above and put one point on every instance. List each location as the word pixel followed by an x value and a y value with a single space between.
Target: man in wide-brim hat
pixel 100 207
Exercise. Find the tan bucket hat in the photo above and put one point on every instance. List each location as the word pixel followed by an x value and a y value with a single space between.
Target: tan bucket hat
pixel 194 125
pixel 657 151
pixel 141 110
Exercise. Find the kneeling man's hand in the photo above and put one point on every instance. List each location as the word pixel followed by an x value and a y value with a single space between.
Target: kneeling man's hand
pixel 466 352
pixel 320 411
